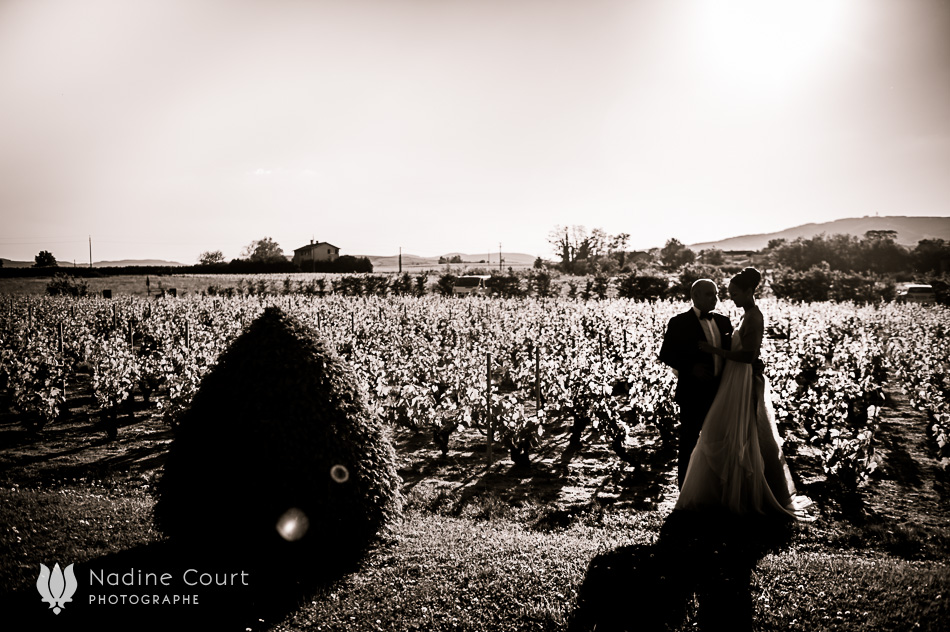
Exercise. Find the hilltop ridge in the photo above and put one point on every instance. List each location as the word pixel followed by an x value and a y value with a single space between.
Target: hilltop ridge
pixel 910 230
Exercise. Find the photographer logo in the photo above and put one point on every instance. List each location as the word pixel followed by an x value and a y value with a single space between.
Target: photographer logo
pixel 56 587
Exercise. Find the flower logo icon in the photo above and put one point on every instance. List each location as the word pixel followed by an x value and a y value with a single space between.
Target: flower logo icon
pixel 56 587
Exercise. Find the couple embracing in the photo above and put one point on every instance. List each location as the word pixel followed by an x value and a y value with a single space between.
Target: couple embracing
pixel 729 454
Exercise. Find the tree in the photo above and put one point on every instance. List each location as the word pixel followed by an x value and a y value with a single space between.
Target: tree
pixel 598 244
pixel 618 243
pixel 264 250
pixel 211 258
pixel 881 235
pixel 349 263
pixel 45 259
pixel 712 257
pixel 881 253
pixel 931 255
pixel 839 251
pixel 560 241
pixel 570 244
pixel 675 255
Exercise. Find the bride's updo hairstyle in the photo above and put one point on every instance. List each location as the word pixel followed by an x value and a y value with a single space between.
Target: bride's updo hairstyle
pixel 748 279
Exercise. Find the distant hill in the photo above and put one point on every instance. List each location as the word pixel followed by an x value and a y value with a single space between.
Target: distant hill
pixel 910 230
pixel 407 260
pixel 514 259
pixel 135 262
pixel 7 263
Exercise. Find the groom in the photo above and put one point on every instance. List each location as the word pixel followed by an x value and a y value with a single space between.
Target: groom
pixel 698 373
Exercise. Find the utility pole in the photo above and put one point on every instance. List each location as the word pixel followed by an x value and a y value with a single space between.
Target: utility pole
pixel 400 259
pixel 90 251
pixel 499 256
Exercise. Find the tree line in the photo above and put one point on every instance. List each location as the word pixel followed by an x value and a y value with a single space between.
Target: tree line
pixel 878 252
pixel 260 256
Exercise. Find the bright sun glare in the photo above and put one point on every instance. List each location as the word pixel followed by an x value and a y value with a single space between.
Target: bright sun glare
pixel 767 46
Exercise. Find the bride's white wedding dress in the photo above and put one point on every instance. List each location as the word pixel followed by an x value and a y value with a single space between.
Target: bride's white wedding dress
pixel 738 463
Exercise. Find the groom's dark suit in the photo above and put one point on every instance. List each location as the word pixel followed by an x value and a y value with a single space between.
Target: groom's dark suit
pixel 697 385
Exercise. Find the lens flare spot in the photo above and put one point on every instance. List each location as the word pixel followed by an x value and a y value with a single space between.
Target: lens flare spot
pixel 293 524
pixel 339 473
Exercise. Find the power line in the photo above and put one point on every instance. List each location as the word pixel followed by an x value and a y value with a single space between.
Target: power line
pixel 37 243
pixel 13 242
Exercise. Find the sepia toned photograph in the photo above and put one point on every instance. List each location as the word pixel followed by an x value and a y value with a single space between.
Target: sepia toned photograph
pixel 475 315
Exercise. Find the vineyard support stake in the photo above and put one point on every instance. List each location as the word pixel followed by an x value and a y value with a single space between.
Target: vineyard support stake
pixel 491 427
pixel 537 378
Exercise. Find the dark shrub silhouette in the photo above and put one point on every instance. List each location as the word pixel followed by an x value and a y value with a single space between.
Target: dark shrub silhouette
pixel 278 434
pixel 65 285
pixel 643 287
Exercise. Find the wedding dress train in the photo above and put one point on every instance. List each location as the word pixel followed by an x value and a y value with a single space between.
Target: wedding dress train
pixel 738 463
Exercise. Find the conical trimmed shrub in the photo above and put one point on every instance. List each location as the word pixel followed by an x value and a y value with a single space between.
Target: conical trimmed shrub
pixel 279 450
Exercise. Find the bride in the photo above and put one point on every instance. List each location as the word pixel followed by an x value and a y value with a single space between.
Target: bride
pixel 737 463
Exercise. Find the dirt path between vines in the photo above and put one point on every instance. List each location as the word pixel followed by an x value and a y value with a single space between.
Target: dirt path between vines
pixel 910 486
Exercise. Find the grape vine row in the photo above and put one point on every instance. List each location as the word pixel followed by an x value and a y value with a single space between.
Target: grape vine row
pixel 510 368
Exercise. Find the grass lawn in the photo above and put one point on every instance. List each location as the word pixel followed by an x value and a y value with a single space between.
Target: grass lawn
pixel 439 572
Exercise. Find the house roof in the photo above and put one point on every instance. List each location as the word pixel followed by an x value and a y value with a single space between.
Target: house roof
pixel 316 245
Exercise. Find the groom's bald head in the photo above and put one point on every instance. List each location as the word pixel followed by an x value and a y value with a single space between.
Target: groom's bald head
pixel 705 294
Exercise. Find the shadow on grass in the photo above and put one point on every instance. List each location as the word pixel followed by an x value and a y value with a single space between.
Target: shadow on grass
pixel 163 586
pixel 131 462
pixel 700 557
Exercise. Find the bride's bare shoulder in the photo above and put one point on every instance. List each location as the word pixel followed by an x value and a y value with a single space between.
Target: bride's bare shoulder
pixel 754 317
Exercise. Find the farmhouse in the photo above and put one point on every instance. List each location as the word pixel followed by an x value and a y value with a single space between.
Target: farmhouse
pixel 313 252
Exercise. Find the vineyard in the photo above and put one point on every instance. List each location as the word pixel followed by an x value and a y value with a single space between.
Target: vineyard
pixel 509 369
pixel 535 436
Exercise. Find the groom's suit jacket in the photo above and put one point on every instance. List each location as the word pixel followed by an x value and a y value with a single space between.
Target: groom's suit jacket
pixel 680 350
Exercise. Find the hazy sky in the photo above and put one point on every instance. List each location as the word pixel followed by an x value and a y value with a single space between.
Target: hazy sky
pixel 166 128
